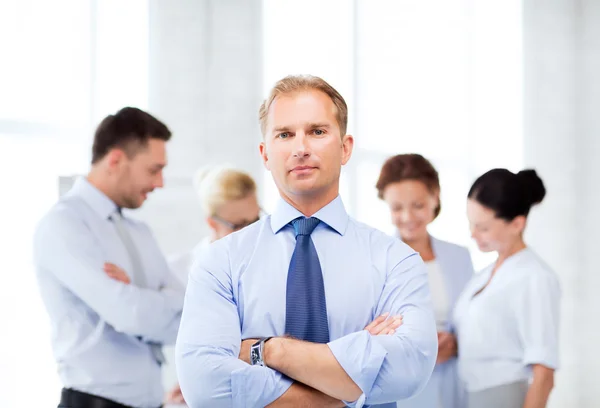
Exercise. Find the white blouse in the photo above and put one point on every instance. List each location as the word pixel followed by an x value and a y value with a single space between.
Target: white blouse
pixel 510 325
pixel 439 295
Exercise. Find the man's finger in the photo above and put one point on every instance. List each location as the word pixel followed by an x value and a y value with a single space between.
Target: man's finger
pixel 113 267
pixel 391 323
pixel 377 321
pixel 381 327
pixel 118 276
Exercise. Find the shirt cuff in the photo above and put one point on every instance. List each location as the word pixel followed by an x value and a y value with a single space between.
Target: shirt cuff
pixel 359 403
pixel 256 386
pixel 361 358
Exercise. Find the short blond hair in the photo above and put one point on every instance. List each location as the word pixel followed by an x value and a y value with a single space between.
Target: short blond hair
pixel 295 83
pixel 217 185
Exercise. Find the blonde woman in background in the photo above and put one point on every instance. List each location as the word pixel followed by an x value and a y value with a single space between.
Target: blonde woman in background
pixel 229 202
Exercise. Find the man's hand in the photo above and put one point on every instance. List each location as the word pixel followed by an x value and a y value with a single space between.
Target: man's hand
pixel 175 396
pixel 116 273
pixel 447 347
pixel 380 326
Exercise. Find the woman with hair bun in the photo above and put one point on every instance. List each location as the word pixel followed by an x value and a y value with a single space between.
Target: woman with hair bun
pixel 507 317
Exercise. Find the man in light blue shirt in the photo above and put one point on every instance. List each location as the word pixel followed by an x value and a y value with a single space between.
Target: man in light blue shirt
pixel 274 313
pixel 107 335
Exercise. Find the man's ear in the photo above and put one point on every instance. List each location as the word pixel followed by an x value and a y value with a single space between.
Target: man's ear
pixel 264 155
pixel 114 158
pixel 347 147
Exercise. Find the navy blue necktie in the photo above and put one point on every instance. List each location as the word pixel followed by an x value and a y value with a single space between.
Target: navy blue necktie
pixel 306 309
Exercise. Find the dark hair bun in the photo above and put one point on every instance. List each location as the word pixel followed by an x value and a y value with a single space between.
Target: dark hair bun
pixel 533 185
pixel 508 194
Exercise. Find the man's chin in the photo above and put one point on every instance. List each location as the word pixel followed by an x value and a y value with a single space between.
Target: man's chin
pixel 305 188
pixel 133 205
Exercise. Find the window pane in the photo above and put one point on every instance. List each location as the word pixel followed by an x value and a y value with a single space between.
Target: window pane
pixel 413 76
pixel 121 59
pixel 45 76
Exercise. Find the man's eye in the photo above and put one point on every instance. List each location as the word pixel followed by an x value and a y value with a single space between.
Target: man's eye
pixel 283 135
pixel 319 132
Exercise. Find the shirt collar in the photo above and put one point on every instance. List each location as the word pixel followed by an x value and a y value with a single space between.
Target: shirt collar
pixel 333 214
pixel 96 199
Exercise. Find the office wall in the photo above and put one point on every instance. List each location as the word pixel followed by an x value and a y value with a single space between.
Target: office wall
pixel 561 135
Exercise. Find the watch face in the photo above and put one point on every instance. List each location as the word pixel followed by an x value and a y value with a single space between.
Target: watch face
pixel 254 356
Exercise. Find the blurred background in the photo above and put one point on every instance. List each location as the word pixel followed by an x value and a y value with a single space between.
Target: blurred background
pixel 469 84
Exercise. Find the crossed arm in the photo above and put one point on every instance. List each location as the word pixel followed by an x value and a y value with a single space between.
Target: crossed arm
pixel 174 395
pixel 320 380
pixel 359 367
pixel 65 248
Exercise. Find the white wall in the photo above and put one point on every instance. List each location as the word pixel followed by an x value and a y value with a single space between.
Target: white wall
pixel 562 129
pixel 205 84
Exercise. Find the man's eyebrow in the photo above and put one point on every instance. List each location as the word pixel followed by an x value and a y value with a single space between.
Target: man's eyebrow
pixel 319 125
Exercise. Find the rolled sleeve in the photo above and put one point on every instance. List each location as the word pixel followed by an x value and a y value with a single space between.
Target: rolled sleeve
pixel 539 321
pixel 255 386
pixel 361 358
pixel 210 372
pixel 390 368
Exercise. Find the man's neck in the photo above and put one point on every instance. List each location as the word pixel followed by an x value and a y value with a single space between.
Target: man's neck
pixel 97 180
pixel 309 205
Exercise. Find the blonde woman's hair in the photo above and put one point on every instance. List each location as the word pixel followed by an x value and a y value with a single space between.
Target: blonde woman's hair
pixel 217 185
pixel 294 83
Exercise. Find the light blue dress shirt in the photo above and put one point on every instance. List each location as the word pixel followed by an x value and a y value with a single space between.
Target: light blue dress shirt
pixel 237 290
pixel 100 326
pixel 445 388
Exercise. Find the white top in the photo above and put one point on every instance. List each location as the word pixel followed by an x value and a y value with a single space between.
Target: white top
pixel 510 325
pixel 181 264
pixel 439 294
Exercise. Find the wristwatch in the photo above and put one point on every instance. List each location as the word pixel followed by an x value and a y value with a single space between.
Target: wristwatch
pixel 257 352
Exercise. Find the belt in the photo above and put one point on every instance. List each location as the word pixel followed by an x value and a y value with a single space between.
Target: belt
pixel 76 399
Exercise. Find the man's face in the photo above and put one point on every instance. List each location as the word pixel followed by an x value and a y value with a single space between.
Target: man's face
pixel 141 174
pixel 302 145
